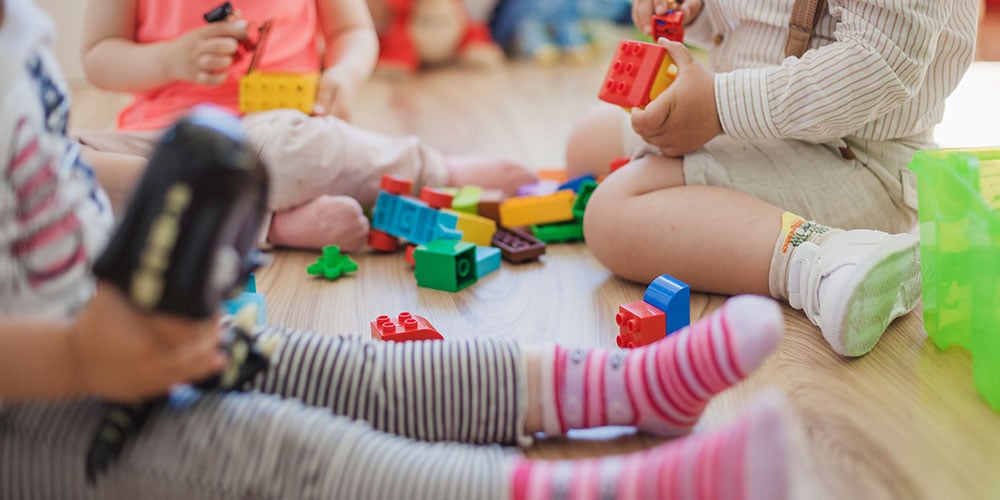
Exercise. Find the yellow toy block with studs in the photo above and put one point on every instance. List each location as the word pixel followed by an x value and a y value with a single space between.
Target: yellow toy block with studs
pixel 533 210
pixel 475 229
pixel 267 91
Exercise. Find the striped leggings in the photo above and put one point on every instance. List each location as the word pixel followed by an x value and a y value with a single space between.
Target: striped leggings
pixel 333 417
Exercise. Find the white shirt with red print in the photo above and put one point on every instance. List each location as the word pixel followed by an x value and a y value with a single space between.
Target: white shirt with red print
pixel 54 219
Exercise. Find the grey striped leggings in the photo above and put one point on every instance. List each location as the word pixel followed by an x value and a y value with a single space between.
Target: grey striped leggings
pixel 332 418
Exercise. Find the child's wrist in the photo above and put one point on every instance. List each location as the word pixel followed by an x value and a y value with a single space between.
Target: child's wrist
pixel 77 379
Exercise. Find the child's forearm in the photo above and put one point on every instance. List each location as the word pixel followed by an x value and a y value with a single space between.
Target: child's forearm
pixel 354 52
pixel 38 360
pixel 122 65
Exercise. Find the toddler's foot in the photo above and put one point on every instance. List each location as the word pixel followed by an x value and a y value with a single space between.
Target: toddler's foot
pixel 664 387
pixel 748 460
pixel 488 173
pixel 854 284
pixel 326 220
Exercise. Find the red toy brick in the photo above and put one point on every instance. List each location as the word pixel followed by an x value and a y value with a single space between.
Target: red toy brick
pixel 618 162
pixel 409 255
pixel 639 324
pixel 396 185
pixel 669 26
pixel 407 327
pixel 382 241
pixel 638 71
pixel 436 198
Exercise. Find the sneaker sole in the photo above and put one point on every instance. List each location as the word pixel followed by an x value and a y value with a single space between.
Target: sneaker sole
pixel 887 287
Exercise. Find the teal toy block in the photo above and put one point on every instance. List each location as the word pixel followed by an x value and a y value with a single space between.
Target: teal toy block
pixel 447 265
pixel 959 213
pixel 332 264
pixel 413 219
pixel 586 189
pixel 487 260
pixel 673 297
pixel 559 233
pixel 249 296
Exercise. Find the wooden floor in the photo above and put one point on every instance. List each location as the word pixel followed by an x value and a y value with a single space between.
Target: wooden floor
pixel 903 422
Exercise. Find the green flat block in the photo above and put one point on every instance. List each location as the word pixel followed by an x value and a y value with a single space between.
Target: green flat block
pixel 559 233
pixel 583 198
pixel 448 265
pixel 467 200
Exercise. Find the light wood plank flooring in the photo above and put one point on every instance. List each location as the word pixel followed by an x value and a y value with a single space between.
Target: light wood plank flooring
pixel 903 422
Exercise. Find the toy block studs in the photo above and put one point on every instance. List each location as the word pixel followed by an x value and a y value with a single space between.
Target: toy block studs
pixel 407 327
pixel 639 71
pixel 517 246
pixel 639 324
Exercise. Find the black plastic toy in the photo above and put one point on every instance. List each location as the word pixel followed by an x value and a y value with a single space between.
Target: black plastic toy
pixel 187 243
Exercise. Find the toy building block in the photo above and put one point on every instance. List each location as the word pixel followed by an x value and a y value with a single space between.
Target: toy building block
pixel 576 183
pixel 959 214
pixel 539 188
pixel 638 73
pixel 447 265
pixel 617 163
pixel 409 255
pixel 669 26
pixel 412 219
pixel 673 297
pixel 532 210
pixel 475 229
pixel 583 198
pixel 267 91
pixel 487 260
pixel 467 199
pixel 489 204
pixel 249 296
pixel 382 241
pixel 558 175
pixel 396 185
pixel 559 233
pixel 332 264
pixel 517 246
pixel 406 327
pixel 436 198
pixel 639 324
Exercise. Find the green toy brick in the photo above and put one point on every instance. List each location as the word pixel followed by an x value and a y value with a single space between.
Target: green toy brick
pixel 332 265
pixel 447 265
pixel 467 199
pixel 583 198
pixel 559 233
pixel 959 199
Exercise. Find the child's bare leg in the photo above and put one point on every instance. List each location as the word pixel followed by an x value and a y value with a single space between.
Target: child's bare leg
pixel 487 172
pixel 596 139
pixel 643 222
pixel 325 220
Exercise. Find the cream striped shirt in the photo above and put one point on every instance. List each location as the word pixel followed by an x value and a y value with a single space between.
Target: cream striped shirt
pixel 880 69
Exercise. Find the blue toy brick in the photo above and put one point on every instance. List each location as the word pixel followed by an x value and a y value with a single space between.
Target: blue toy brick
pixel 487 260
pixel 233 305
pixel 673 297
pixel 251 284
pixel 413 219
pixel 576 183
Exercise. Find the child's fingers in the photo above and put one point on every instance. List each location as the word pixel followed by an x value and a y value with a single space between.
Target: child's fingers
pixel 219 46
pixel 236 30
pixel 642 11
pixel 678 52
pixel 210 79
pixel 211 63
pixel 194 361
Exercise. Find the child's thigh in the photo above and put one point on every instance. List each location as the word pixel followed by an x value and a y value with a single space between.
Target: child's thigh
pixel 874 190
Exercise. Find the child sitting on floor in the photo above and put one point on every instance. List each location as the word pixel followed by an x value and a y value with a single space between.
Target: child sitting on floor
pixel 170 59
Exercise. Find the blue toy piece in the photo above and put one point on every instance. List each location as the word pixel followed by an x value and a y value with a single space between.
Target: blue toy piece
pixel 576 183
pixel 487 260
pixel 248 296
pixel 540 29
pixel 673 297
pixel 413 219
pixel 615 11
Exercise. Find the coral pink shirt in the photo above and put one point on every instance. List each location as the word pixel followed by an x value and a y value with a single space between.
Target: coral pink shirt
pixel 291 48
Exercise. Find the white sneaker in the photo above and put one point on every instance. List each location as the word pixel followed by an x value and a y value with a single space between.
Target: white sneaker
pixel 855 284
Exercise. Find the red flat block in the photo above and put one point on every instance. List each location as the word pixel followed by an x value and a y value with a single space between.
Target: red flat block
pixel 406 327
pixel 436 198
pixel 633 70
pixel 396 185
pixel 639 324
pixel 382 241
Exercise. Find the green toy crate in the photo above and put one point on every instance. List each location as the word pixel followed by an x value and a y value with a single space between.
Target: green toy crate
pixel 959 212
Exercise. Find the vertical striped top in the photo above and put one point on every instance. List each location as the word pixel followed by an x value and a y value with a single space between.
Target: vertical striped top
pixel 877 69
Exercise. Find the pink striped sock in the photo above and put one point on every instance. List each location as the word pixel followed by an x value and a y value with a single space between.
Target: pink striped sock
pixel 746 461
pixel 661 388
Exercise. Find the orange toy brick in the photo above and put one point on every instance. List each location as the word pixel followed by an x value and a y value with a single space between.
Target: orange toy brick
pixel 639 71
pixel 407 327
pixel 639 324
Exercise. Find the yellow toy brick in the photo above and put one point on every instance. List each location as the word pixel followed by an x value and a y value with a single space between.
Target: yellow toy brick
pixel 475 229
pixel 267 91
pixel 532 210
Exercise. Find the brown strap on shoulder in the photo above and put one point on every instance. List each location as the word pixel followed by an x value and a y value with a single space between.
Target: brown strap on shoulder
pixel 805 14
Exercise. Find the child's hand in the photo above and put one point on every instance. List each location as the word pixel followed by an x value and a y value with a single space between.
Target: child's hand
pixel 203 54
pixel 126 355
pixel 335 94
pixel 643 10
pixel 685 116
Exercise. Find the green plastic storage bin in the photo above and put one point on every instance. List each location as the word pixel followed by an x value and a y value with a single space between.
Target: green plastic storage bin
pixel 959 212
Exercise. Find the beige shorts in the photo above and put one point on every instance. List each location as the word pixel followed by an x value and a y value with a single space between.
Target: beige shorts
pixel 310 156
pixel 874 190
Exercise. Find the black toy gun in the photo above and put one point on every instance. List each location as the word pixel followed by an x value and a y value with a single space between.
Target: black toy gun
pixel 187 243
